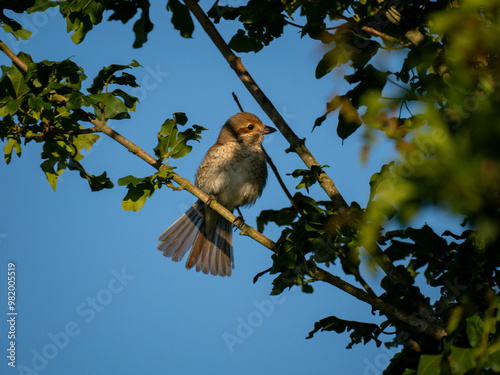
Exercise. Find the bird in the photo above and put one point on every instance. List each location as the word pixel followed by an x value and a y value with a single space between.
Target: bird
pixel 234 172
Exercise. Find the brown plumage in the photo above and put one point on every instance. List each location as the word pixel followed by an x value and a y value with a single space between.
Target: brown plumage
pixel 234 172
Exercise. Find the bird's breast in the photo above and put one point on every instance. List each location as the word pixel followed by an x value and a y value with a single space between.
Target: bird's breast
pixel 233 173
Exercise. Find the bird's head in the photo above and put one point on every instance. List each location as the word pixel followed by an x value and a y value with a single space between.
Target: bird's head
pixel 244 127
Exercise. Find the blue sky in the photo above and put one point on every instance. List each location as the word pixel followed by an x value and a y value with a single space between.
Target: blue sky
pixel 94 296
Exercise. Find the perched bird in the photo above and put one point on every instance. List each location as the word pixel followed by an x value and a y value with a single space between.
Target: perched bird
pixel 234 172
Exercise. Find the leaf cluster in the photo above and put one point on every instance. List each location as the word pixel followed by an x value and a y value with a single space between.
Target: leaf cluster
pixel 44 105
pixel 172 143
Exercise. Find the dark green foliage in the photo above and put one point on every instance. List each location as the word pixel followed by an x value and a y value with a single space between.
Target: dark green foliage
pixel 125 10
pixel 82 15
pixel 181 18
pixel 173 143
pixel 139 189
pixel 43 105
pixel 309 176
pixel 262 21
pixel 361 332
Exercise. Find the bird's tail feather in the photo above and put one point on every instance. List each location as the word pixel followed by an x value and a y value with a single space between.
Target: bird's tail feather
pixel 210 252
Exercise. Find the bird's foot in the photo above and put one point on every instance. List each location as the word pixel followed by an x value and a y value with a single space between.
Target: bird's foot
pixel 239 220
pixel 210 199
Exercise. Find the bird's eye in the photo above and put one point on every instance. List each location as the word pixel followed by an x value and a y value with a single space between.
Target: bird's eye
pixel 250 127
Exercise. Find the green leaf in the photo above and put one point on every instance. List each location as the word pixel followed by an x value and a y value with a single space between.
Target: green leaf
pixel 107 76
pixel 285 216
pixel 258 276
pixel 241 42
pixel 43 5
pixel 142 27
pixel 181 18
pixel 493 360
pixel 81 16
pixel 83 141
pixel 335 57
pixel 349 121
pixel 475 328
pixel 171 142
pixel 96 183
pixel 139 189
pixel 129 180
pixel 462 360
pixel 13 84
pixel 361 332
pixel 307 288
pixel 11 144
pixel 309 176
pixel 429 364
pixel 377 179
pixel 285 280
pixel 12 27
pixel 227 12
pixel 52 174
pixel 137 195
pixel 114 108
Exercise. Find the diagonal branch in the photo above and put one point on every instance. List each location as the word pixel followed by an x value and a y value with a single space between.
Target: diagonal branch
pixel 246 230
pixel 296 144
pixel 430 328
pixel 20 63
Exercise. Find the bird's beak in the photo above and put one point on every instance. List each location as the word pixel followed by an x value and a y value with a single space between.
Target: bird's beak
pixel 268 130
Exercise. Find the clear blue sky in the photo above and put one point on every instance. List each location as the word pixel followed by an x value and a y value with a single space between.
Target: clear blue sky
pixel 94 296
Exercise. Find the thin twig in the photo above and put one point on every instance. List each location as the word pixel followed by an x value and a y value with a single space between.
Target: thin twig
pixel 282 184
pixel 238 102
pixel 373 31
pixel 62 131
pixel 301 27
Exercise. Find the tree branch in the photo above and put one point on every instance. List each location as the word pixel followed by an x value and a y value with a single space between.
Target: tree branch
pixel 322 275
pixel 5 49
pixel 373 31
pixel 296 144
pixel 431 328
pixel 246 230
pixel 62 131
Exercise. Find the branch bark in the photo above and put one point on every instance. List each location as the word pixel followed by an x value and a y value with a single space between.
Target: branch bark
pixel 5 49
pixel 430 328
